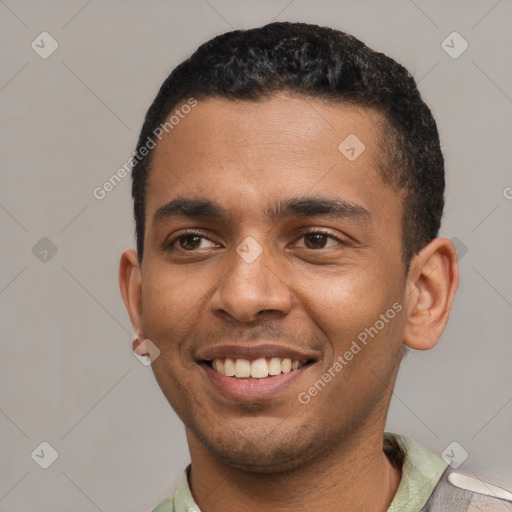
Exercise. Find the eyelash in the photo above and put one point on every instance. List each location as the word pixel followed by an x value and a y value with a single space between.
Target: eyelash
pixel 170 245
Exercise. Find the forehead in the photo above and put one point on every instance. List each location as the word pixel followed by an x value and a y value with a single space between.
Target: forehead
pixel 288 124
pixel 251 154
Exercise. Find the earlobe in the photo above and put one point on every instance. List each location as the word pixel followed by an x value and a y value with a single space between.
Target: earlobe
pixel 431 283
pixel 131 289
pixel 140 347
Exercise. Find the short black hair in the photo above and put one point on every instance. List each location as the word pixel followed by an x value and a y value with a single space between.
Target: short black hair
pixel 316 62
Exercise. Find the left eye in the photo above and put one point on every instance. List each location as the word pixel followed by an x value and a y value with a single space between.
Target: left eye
pixel 318 239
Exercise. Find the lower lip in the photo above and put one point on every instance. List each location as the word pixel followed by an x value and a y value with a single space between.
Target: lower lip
pixel 254 389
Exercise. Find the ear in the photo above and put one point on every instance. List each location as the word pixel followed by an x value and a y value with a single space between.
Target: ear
pixel 131 290
pixel 431 285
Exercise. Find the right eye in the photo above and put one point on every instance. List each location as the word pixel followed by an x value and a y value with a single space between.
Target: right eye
pixel 188 241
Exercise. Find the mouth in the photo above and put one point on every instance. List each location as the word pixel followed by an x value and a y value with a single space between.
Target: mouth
pixel 256 372
pixel 256 369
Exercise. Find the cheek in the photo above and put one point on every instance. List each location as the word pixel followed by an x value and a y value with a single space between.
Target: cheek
pixel 363 320
pixel 345 303
pixel 170 307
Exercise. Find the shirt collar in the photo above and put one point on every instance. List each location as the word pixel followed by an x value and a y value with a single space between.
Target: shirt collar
pixel 421 472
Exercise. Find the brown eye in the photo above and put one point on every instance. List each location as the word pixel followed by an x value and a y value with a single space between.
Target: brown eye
pixel 316 240
pixel 189 242
pixel 320 240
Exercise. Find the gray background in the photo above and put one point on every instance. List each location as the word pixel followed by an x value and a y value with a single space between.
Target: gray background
pixel 67 372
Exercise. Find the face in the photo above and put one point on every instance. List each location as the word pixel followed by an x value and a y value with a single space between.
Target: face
pixel 290 256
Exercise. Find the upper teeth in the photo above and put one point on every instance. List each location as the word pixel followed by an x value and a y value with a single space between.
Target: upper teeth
pixel 257 369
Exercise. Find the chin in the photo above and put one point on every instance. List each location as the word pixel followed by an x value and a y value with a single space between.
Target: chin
pixel 272 450
pixel 264 459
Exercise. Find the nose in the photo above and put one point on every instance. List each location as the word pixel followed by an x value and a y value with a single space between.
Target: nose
pixel 249 288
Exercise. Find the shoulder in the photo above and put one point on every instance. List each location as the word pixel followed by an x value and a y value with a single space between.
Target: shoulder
pixel 458 490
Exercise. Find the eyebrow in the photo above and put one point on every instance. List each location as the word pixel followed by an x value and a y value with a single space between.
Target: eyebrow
pixel 202 208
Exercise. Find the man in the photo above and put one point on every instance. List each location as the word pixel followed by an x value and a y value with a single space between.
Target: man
pixel 288 190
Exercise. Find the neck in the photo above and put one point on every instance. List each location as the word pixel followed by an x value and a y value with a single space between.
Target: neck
pixel 354 476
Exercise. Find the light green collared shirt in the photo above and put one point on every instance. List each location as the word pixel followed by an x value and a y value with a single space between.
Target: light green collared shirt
pixel 421 471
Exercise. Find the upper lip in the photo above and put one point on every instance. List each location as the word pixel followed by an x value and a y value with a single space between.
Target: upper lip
pixel 255 351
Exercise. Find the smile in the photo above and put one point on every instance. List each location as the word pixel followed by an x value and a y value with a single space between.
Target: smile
pixel 254 372
pixel 259 368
